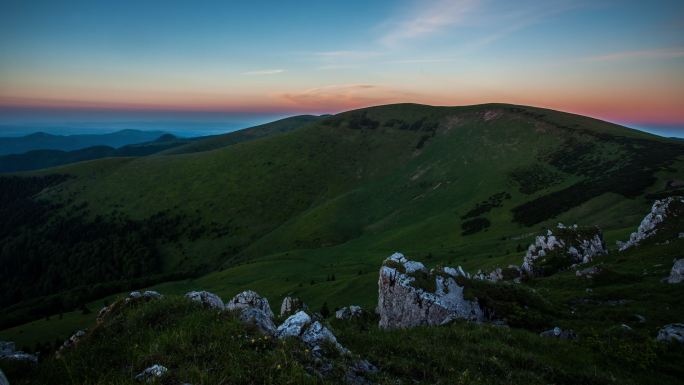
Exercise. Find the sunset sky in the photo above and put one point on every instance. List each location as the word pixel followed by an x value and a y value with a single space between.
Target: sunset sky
pixel 618 60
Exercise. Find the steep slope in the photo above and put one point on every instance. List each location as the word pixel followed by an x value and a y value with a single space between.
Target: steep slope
pixel 454 184
pixel 218 141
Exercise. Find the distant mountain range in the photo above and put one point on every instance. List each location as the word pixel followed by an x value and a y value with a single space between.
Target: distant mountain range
pixel 164 142
pixel 45 141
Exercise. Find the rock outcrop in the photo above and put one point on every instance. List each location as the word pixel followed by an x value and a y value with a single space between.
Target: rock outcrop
pixel 8 352
pixel 146 294
pixel 349 312
pixel 132 296
pixel 313 333
pixel 677 272
pixel 206 298
pixel 152 373
pixel 71 342
pixel 567 247
pixel 291 305
pixel 249 299
pixel 671 333
pixel 663 211
pixel 409 295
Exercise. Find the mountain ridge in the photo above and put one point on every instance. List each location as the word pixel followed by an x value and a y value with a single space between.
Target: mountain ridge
pixel 344 190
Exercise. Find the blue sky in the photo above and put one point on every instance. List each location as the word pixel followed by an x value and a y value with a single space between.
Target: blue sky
pixel 618 60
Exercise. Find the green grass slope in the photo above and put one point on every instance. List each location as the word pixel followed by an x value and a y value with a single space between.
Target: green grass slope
pixel 460 185
pixel 199 346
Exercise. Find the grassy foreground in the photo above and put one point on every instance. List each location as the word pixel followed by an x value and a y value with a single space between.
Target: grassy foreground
pixel 200 346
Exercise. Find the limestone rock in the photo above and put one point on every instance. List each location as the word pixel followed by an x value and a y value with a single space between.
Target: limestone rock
pixel 349 312
pixel 291 305
pixel 568 246
pixel 206 298
pixel 671 333
pixel 402 303
pixel 677 272
pixel 293 325
pixel 559 333
pixel 312 333
pixel 589 272
pixel 151 373
pixel 71 342
pixel 316 334
pixel 662 211
pixel 259 319
pixel 249 299
pixel 8 352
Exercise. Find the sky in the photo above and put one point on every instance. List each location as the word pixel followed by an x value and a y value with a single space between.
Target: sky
pixel 239 62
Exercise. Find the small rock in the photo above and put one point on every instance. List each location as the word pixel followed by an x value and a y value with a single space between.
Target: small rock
pixel 671 333
pixel 641 319
pixel 349 312
pixel 206 298
pixel 152 294
pixel 589 272
pixel 677 272
pixel 249 298
pixel 291 305
pixel 559 333
pixel 258 318
pixel 149 374
pixel 7 347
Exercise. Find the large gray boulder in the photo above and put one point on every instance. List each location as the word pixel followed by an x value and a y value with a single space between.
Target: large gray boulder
pixel 671 333
pixel 562 248
pixel 206 298
pixel 249 299
pixel 677 272
pixel 403 302
pixel 662 211
pixel 259 319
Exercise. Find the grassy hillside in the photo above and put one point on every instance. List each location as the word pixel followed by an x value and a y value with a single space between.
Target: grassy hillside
pixel 461 185
pixel 616 315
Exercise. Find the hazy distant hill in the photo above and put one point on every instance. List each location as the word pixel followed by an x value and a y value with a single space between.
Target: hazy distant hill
pixel 44 141
pixel 166 143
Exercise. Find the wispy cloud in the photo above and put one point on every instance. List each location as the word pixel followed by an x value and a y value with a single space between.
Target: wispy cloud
pixel 659 53
pixel 263 72
pixel 432 16
pixel 340 97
